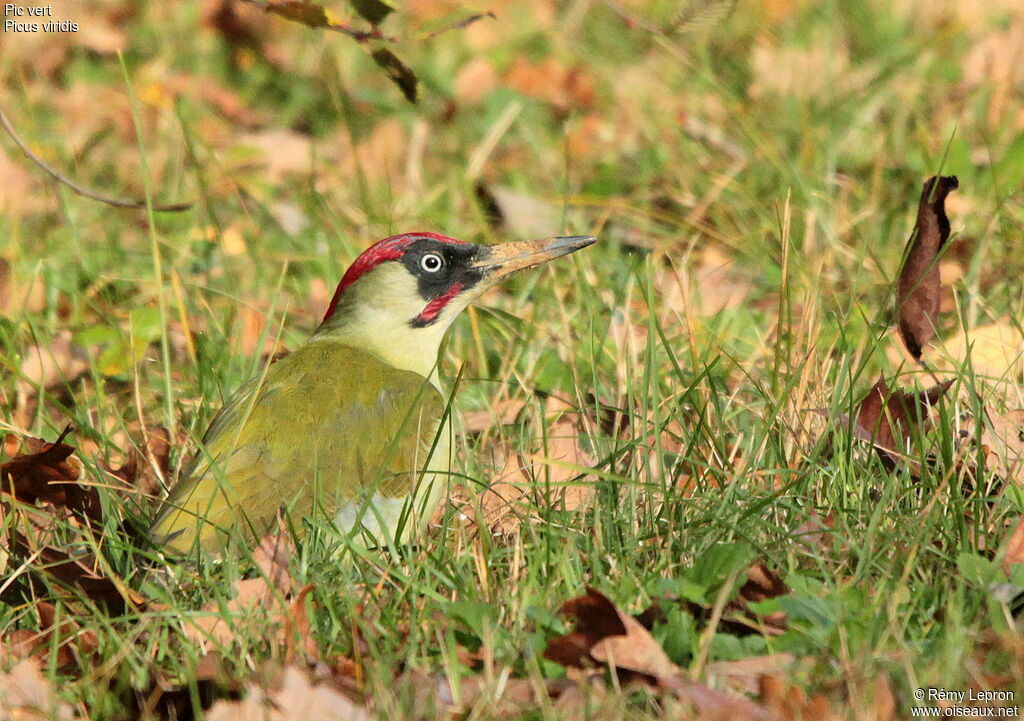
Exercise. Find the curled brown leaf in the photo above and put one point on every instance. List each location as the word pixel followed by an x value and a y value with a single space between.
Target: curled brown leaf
pixel 892 418
pixel 917 290
pixel 49 473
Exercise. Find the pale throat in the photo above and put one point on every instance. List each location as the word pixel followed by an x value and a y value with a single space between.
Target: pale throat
pixel 378 322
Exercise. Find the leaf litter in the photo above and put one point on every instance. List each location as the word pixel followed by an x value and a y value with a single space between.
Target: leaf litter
pixel 552 476
pixel 604 636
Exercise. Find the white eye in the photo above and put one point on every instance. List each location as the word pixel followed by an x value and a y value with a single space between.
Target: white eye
pixel 431 262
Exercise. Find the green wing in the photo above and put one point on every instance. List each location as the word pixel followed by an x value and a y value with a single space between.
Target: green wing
pixel 329 425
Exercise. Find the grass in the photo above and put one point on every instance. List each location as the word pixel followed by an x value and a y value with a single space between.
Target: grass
pixel 789 138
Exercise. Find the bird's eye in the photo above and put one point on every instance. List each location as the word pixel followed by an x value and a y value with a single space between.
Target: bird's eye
pixel 431 262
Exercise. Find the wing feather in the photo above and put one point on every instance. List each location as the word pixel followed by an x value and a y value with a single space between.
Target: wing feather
pixel 329 425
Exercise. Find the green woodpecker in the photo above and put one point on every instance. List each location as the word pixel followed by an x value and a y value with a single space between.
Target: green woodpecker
pixel 354 421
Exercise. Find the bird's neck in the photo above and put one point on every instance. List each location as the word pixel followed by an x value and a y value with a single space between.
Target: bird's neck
pixel 372 329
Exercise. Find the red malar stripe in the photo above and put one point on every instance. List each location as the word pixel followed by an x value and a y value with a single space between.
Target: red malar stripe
pixel 433 308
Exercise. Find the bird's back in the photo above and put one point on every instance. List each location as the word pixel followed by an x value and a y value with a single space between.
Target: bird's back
pixel 329 427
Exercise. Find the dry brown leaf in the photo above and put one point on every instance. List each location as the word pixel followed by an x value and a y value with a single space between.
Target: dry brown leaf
pixel 816 533
pixel 503 413
pixel 49 473
pixel 44 366
pixel 791 702
pixel 918 288
pixel 891 419
pixel 1013 549
pixel 475 81
pixel 382 156
pixel 240 25
pixel 706 286
pixel 91 108
pixel 26 695
pixel 81 571
pixel 762 584
pixel 16 295
pixel 1003 442
pixel 737 617
pixel 98 34
pixel 519 214
pixel 72 641
pixel 6 282
pixel 146 472
pixel 996 62
pixel 744 675
pixel 296 698
pixel 281 152
pixel 551 82
pixel 20 194
pixel 226 101
pixel 804 71
pixel 269 600
pixel 636 650
pixel 544 479
pixel 995 352
pixel 605 635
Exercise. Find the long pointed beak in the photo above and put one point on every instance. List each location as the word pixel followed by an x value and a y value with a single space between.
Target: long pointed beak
pixel 497 261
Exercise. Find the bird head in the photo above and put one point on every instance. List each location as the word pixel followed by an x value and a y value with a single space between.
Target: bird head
pixel 402 293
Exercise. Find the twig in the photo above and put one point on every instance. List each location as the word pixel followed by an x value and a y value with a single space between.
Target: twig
pixel 461 24
pixel 79 189
pixel 317 17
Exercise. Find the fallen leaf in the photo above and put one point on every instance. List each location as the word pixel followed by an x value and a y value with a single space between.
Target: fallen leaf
pixel 281 152
pixel 745 674
pixel 597 619
pixel 49 473
pixel 549 81
pixel 511 698
pixel 236 23
pixel 917 290
pixel 26 695
pixel 996 62
pixel 1013 549
pixel 98 34
pixel 708 285
pixel 6 284
pixel 891 419
pixel 20 194
pixel 791 702
pixel 296 698
pixel 44 366
pixel 475 81
pixel 268 602
pixel 803 70
pixel 79 571
pixel 502 413
pixel 737 617
pixel 147 472
pixel 605 636
pixel 519 214
pixel 993 352
pixel 762 584
pixel 548 478
pixel 1002 439
pixel 301 11
pixel 72 643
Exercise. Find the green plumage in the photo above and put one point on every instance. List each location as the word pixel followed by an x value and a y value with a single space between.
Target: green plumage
pixel 329 424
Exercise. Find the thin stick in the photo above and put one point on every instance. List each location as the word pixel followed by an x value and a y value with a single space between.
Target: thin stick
pixel 79 189
pixel 461 24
